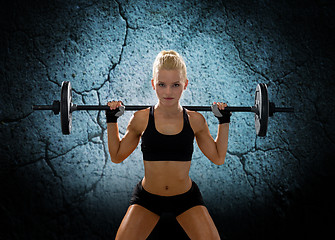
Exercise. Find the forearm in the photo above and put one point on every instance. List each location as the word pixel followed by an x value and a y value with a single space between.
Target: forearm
pixel 222 141
pixel 113 140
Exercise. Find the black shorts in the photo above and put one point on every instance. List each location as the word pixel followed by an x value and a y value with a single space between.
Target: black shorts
pixel 174 205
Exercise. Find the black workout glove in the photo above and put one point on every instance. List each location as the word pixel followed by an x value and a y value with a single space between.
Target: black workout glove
pixel 113 115
pixel 222 116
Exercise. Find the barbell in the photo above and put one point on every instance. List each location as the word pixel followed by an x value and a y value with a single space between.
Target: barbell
pixel 263 109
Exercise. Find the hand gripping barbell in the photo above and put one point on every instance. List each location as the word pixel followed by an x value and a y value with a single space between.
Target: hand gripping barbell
pixel 262 108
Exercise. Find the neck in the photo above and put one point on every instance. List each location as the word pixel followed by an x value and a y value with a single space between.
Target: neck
pixel 169 109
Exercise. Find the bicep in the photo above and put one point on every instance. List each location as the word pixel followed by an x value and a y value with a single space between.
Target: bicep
pixel 130 140
pixel 205 140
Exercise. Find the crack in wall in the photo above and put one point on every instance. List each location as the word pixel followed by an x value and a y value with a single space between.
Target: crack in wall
pixel 57 155
pixel 108 79
pixel 48 162
pixel 110 72
pixel 241 157
pixel 318 119
pixel 7 120
pixel 35 48
pixel 237 48
pixel 46 157
pixel 123 16
pixel 289 150
pixel 247 173
pixel 82 195
pixel 235 44
pixel 103 129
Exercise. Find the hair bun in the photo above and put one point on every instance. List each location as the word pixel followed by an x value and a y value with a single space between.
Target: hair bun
pixel 169 60
pixel 170 52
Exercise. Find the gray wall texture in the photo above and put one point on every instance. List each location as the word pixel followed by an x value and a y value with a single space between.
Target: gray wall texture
pixel 65 187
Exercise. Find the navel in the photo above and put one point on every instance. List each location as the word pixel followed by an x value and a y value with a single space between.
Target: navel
pixel 166 187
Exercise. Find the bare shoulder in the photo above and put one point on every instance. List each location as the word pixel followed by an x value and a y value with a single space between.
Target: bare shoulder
pixel 140 114
pixel 139 120
pixel 197 120
pixel 195 116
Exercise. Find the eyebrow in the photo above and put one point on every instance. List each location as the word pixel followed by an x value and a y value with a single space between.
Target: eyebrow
pixel 172 83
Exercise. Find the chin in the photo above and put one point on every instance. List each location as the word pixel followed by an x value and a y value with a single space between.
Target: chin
pixel 170 102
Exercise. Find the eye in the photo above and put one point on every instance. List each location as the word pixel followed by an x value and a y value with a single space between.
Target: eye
pixel 176 85
pixel 161 84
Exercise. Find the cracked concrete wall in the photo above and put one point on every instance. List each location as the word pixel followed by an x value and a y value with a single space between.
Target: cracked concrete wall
pixel 65 187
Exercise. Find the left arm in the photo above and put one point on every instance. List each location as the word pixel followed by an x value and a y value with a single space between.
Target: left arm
pixel 214 150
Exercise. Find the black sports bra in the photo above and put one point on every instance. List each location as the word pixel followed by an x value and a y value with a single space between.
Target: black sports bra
pixel 160 147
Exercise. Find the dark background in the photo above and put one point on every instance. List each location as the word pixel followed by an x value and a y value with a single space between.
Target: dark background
pixel 65 187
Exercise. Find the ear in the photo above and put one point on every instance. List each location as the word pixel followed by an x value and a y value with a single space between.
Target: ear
pixel 153 84
pixel 186 84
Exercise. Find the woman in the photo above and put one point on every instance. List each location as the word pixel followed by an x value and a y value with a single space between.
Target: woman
pixel 167 131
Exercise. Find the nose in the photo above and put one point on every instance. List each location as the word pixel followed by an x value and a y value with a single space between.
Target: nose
pixel 168 90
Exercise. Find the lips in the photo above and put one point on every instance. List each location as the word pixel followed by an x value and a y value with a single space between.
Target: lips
pixel 168 98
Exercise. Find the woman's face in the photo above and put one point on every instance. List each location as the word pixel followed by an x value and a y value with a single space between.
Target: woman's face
pixel 169 86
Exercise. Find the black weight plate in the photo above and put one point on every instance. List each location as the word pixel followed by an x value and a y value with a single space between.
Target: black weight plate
pixel 65 107
pixel 262 104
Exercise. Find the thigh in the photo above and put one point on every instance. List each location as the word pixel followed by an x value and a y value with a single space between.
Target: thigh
pixel 198 224
pixel 138 223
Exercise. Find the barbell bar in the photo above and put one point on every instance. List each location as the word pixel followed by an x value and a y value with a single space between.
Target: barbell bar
pixel 263 109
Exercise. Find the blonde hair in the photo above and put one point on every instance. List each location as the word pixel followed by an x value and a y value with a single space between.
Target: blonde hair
pixel 169 60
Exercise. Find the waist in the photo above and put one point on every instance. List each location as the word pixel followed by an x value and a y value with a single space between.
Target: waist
pixel 166 177
pixel 166 188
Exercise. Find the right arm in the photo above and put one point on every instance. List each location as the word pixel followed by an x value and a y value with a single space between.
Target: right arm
pixel 120 149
